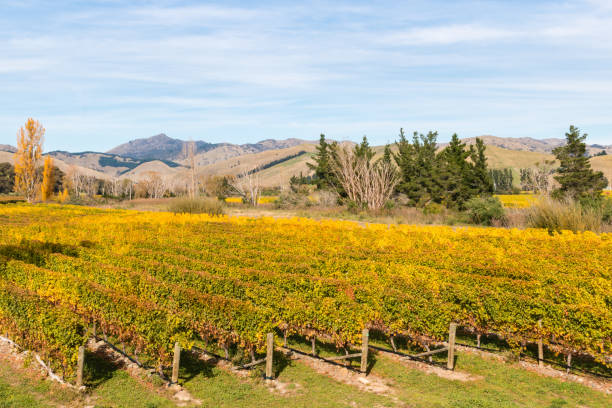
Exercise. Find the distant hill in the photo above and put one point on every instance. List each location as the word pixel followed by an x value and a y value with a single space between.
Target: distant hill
pixel 111 164
pixel 162 147
pixel 7 148
pixel 529 144
pixel 279 159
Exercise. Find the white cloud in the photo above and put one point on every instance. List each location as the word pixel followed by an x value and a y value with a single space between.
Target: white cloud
pixel 448 34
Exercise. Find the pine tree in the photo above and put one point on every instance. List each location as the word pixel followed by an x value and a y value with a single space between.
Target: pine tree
pixel 482 182
pixel 387 154
pixel 323 175
pixel 457 175
pixel 419 168
pixel 363 149
pixel 575 176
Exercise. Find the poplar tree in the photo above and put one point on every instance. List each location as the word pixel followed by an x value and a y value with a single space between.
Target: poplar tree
pixel 29 151
pixel 48 182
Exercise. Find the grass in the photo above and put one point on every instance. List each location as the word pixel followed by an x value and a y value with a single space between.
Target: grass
pixel 498 384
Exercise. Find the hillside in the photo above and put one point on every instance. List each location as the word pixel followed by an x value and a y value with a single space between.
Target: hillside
pixel 282 158
pixel 6 157
pixel 238 164
pixel 162 147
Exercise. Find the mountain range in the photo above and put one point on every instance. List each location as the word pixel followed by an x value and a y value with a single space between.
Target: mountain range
pixel 278 160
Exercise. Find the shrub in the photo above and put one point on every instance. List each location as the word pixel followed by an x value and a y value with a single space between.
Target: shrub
pixel 198 205
pixel 484 210
pixel 565 214
pixel 433 208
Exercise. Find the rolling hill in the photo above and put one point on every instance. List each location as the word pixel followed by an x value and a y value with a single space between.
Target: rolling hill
pixel 279 160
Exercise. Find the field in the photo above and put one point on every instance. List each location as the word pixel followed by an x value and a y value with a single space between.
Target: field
pixel 149 280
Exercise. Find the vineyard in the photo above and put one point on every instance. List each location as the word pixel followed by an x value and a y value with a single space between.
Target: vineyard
pixel 153 279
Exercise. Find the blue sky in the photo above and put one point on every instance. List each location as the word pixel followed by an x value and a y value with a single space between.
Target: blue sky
pixel 97 74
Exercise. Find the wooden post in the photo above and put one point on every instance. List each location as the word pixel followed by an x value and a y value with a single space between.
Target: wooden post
pixel 365 336
pixel 393 346
pixel 285 338
pixel 94 330
pixel 269 356
pixel 429 358
pixel 478 340
pixel 313 342
pixel 569 363
pixel 226 351
pixel 176 362
pixel 540 347
pixel 452 331
pixel 80 365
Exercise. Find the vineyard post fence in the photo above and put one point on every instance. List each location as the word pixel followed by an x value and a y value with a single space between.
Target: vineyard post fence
pixel 176 362
pixel 80 365
pixel 452 332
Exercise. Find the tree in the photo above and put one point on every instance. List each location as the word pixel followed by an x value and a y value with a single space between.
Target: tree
pixel 503 180
pixel 48 182
pixel 29 151
pixel 365 184
pixel 419 168
pixel 483 184
pixel 7 178
pixel 364 150
pixel 154 185
pixel 387 155
pixel 456 177
pixel 189 150
pixel 575 176
pixel 248 185
pixel 323 175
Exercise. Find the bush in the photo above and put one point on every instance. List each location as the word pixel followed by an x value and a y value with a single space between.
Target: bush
pixel 433 208
pixel 484 210
pixel 565 214
pixel 200 205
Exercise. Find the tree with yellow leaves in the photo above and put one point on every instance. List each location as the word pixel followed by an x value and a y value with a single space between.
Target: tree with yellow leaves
pixel 29 151
pixel 47 184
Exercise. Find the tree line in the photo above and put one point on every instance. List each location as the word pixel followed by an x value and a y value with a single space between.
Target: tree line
pixel 424 174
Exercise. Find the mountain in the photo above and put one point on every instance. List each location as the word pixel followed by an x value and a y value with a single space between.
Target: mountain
pixel 162 147
pixel 529 144
pixel 111 164
pixel 277 159
pixel 7 148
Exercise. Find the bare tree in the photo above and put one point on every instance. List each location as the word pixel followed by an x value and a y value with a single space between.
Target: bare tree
pixel 248 185
pixel 154 185
pixel 538 179
pixel 189 150
pixel 89 185
pixel 366 184
pixel 75 179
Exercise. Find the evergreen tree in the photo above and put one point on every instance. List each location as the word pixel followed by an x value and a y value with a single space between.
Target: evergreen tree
pixel 575 176
pixel 363 149
pixel 418 167
pixel 323 175
pixel 387 154
pixel 7 178
pixel 481 180
pixel 457 175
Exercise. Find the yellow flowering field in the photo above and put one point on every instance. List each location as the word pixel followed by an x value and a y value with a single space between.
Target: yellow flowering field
pixel 517 200
pixel 151 279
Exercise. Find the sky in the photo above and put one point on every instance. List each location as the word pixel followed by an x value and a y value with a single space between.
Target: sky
pixel 100 73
